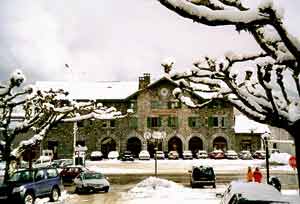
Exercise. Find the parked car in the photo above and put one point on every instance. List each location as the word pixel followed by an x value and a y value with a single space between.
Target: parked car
pixel 69 173
pixel 25 186
pixel 160 155
pixel 202 176
pixel 260 154
pixel 96 156
pixel 127 156
pixel 144 155
pixel 202 154
pixel 231 154
pixel 216 154
pixel 187 154
pixel 251 192
pixel 91 181
pixel 245 155
pixel 61 163
pixel 113 155
pixel 173 155
pixel 42 161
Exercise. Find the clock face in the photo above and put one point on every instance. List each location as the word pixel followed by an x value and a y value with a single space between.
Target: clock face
pixel 164 92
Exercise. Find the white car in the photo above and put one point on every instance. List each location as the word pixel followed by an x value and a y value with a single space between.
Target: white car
pixel 91 181
pixel 160 155
pixel 43 161
pixel 96 155
pixel 113 155
pixel 187 154
pixel 202 154
pixel 144 155
pixel 231 154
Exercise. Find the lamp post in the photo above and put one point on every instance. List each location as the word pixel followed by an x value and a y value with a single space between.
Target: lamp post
pixel 266 137
pixel 156 136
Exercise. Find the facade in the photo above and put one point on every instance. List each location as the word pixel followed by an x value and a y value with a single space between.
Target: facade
pixel 155 111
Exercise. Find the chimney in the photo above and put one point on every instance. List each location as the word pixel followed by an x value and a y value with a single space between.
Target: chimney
pixel 144 81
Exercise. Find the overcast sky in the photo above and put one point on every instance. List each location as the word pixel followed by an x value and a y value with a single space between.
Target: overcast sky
pixel 104 40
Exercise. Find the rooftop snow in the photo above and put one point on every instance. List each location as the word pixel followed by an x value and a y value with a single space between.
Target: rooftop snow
pixel 245 125
pixel 92 90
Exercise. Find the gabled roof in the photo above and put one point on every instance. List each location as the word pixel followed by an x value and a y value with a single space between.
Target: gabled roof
pixel 245 125
pixel 104 90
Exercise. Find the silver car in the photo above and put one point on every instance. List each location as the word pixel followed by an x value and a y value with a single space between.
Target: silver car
pixel 91 181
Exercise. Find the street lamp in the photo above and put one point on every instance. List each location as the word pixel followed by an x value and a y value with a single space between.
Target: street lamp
pixel 266 136
pixel 156 136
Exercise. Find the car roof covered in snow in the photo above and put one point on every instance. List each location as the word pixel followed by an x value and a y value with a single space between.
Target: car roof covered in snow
pixel 254 191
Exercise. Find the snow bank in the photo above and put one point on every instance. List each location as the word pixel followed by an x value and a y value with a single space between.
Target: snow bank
pixel 280 158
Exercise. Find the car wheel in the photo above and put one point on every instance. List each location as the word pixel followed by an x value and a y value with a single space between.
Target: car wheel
pixel 28 198
pixel 106 189
pixel 54 196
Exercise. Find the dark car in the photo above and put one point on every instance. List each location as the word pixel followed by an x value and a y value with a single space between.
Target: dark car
pixel 203 176
pixel 127 156
pixel 25 186
pixel 216 154
pixel 70 172
pixel 259 155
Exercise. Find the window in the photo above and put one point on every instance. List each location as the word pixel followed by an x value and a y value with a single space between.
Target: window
pixel 172 122
pixel 153 122
pixel 159 105
pixel 104 124
pixel 174 104
pixel 217 121
pixel 112 123
pixel 132 105
pixel 80 123
pixel 133 122
pixel 51 173
pixel 194 122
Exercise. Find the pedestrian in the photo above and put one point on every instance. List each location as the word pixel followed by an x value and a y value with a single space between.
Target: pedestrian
pixel 257 175
pixel 249 174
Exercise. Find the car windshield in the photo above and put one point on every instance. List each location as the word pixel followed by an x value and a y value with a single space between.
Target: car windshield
pixel 93 176
pixel 204 172
pixel 22 176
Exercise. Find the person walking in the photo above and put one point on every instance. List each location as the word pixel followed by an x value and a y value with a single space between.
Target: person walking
pixel 257 175
pixel 249 174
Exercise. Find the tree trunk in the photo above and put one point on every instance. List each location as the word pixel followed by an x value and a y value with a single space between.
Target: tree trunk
pixel 7 159
pixel 295 133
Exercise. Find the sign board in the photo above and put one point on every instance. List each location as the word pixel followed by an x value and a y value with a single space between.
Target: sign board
pixel 292 162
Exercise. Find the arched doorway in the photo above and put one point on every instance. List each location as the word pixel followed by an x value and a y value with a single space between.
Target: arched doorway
pixel 220 143
pixel 134 145
pixel 107 144
pixel 151 145
pixel 195 144
pixel 175 144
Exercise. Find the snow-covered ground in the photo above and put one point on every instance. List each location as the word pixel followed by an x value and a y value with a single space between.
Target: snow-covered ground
pixel 155 190
pixel 180 166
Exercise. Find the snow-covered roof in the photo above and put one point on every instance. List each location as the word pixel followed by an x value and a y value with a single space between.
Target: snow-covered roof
pixel 245 125
pixel 92 90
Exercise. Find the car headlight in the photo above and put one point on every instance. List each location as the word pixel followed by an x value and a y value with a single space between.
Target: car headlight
pixel 18 189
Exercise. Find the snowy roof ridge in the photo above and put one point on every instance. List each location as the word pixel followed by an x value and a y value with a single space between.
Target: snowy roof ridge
pixel 244 125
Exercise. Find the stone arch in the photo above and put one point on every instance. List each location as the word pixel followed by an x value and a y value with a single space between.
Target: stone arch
pixel 194 143
pixel 175 144
pixel 134 144
pixel 107 144
pixel 198 135
pixel 168 137
pixel 222 141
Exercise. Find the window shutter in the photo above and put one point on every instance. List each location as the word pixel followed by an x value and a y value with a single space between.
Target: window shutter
pixel 148 122
pixel 210 121
pixel 226 122
pixel 198 122
pixel 169 121
pixel 190 121
pixel 176 122
pixel 159 121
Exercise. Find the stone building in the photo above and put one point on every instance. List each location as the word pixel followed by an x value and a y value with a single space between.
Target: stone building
pixel 155 110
